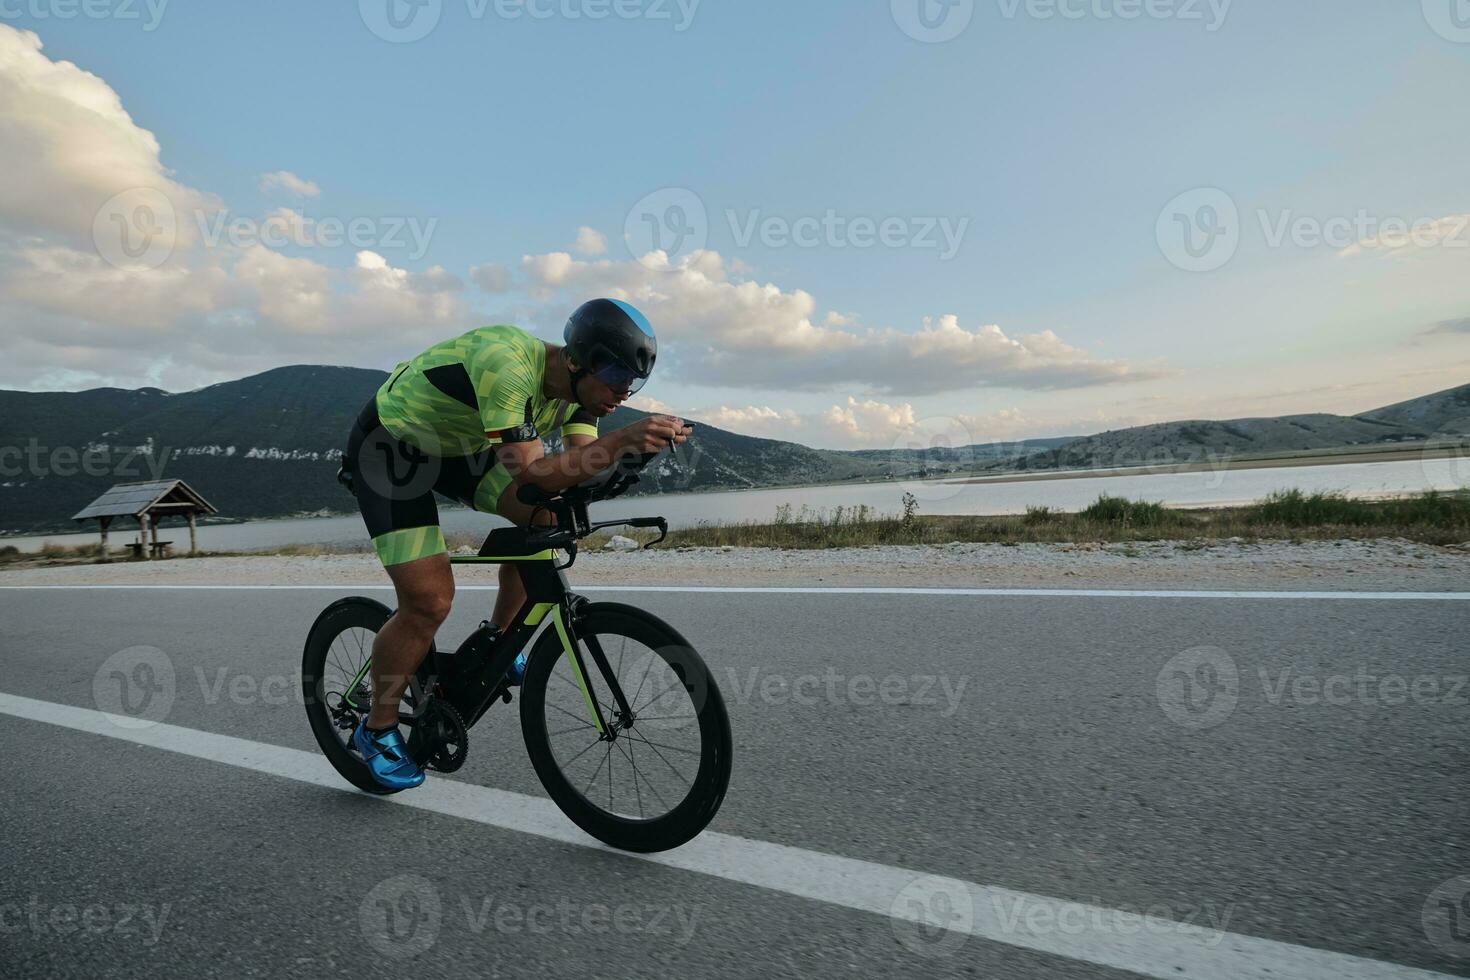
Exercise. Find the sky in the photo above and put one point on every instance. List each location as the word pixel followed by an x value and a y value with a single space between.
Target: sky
pixel 854 223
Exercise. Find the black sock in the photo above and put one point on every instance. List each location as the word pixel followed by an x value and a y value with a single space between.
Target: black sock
pixel 381 731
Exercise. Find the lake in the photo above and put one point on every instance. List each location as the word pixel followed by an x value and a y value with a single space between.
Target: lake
pixel 1207 488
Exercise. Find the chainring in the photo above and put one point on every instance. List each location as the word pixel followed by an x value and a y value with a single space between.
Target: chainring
pixel 448 739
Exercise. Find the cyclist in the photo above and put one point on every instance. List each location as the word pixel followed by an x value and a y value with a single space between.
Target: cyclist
pixel 465 419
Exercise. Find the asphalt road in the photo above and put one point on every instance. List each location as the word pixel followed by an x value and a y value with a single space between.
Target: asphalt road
pixel 1290 771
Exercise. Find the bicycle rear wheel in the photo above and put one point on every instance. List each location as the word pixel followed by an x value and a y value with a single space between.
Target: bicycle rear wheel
pixel 656 779
pixel 338 689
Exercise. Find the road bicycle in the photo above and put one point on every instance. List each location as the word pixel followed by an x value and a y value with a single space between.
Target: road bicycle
pixel 622 720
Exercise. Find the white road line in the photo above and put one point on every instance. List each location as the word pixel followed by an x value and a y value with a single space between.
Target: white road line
pixel 1148 946
pixel 802 590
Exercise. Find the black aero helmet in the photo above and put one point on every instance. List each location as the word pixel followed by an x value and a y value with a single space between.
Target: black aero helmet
pixel 612 342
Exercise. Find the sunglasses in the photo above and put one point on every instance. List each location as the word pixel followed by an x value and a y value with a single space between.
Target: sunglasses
pixel 616 376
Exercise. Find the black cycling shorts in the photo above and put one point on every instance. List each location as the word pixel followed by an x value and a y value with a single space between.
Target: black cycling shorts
pixel 395 483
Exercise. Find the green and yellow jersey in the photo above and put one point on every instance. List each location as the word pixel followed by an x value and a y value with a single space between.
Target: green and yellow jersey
pixel 475 391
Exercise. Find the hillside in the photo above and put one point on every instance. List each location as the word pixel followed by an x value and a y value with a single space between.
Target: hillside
pixel 269 445
pixel 1444 411
pixel 1442 414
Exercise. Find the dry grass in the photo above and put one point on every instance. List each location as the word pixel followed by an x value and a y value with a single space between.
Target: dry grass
pixel 1433 518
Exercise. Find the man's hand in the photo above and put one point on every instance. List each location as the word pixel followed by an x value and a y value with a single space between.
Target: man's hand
pixel 655 433
pixel 580 462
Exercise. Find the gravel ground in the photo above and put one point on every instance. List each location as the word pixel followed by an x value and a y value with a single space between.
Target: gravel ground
pixel 1362 565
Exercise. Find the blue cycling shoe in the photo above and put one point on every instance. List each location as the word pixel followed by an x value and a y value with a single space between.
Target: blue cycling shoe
pixel 517 670
pixel 387 758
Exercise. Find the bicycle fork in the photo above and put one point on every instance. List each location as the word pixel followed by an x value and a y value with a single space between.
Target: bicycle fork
pixel 564 622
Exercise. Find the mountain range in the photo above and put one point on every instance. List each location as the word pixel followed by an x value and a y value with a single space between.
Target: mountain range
pixel 269 445
pixel 1442 415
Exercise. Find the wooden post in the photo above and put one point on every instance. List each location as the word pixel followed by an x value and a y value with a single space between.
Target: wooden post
pixel 153 551
pixel 143 535
pixel 105 521
pixel 193 535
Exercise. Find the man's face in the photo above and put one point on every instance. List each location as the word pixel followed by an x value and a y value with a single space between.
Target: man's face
pixel 598 398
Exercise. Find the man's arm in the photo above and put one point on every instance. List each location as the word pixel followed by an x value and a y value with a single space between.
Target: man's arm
pixel 583 456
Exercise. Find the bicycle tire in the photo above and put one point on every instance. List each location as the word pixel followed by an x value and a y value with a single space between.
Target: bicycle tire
pixel 342 615
pixel 683 821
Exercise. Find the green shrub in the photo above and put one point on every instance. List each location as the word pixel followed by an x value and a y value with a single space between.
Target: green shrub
pixel 1433 509
pixel 1293 508
pixel 1129 513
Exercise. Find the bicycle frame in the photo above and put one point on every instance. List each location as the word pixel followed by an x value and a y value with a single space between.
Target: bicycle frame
pixel 533 551
pixel 547 595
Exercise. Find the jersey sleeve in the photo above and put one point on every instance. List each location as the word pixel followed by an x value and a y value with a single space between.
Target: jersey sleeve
pixel 580 423
pixel 505 396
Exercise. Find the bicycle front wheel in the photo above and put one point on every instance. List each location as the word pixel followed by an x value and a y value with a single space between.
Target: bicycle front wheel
pixel 652 779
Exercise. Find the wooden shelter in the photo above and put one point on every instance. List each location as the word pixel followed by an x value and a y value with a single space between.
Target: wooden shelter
pixel 148 504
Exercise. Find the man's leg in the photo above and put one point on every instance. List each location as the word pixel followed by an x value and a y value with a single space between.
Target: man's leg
pixel 425 594
pixel 510 597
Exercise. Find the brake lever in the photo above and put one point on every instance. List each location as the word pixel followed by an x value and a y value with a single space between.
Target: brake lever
pixel 663 532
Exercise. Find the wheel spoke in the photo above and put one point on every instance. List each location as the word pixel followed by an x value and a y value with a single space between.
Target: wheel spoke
pixel 606 708
pixel 649 757
pixel 656 698
pixel 637 793
pixel 332 650
pixel 665 760
pixel 661 745
pixel 597 770
pixel 652 788
pixel 589 748
pixel 634 698
pixel 569 714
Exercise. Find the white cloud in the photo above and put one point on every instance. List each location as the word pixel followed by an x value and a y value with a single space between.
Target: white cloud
pixel 651 405
pixel 753 420
pixel 857 423
pixel 590 241
pixel 67 148
pixel 492 277
pixel 286 181
pixel 743 333
pixel 869 423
